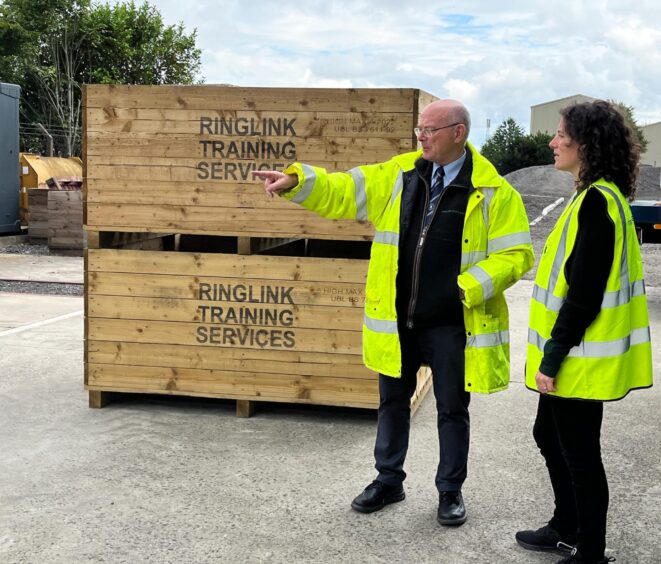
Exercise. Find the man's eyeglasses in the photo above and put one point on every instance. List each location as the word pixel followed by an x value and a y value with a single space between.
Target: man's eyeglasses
pixel 429 131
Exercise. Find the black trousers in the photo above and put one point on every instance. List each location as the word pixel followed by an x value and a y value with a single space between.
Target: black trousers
pixel 442 348
pixel 568 433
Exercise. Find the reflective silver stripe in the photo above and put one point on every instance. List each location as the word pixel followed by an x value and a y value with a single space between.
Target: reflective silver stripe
pixel 469 259
pixel 484 279
pixel 488 340
pixel 488 196
pixel 535 339
pixel 559 258
pixel 306 190
pixel 387 238
pixel 600 349
pixel 507 241
pixel 380 325
pixel 624 261
pixel 623 296
pixel 397 188
pixel 611 299
pixel 546 298
pixel 361 196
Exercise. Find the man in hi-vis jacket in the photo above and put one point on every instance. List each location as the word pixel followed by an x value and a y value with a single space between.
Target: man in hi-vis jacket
pixel 451 236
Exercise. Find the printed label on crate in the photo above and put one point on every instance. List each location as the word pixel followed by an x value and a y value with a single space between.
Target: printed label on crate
pixel 349 295
pixel 358 124
pixel 248 151
pixel 246 315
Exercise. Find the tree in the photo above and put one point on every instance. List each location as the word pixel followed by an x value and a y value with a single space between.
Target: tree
pixel 51 47
pixel 628 114
pixel 509 148
pixel 132 45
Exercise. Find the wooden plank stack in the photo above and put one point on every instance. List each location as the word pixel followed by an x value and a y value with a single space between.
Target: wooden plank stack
pixel 247 298
pixel 56 214
pixel 38 214
pixel 65 220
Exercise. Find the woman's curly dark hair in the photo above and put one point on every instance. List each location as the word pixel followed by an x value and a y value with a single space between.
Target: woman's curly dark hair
pixel 606 145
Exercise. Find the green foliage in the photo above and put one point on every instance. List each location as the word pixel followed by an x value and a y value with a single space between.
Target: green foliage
pixel 628 114
pixel 509 148
pixel 132 45
pixel 51 47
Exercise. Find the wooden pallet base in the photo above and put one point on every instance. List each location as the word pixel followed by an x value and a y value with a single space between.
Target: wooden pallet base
pixel 247 407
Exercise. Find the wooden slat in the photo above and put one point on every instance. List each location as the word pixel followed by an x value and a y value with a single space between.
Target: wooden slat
pixel 200 170
pixel 277 338
pixel 238 385
pixel 227 221
pixel 227 313
pixel 283 125
pixel 184 194
pixel 188 287
pixel 300 269
pixel 208 97
pixel 236 360
pixel 183 152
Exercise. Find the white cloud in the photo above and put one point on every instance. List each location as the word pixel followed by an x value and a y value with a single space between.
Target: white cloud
pixel 461 90
pixel 498 58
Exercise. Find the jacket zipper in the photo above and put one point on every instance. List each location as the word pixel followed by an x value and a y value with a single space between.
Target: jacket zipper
pixel 418 253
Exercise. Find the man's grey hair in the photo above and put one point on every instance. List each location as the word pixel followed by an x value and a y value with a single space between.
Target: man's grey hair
pixel 459 114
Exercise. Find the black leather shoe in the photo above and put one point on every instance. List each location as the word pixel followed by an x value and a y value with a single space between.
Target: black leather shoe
pixel 376 496
pixel 545 539
pixel 451 510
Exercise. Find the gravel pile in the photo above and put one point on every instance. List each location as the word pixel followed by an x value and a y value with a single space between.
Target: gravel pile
pixel 541 186
pixel 649 183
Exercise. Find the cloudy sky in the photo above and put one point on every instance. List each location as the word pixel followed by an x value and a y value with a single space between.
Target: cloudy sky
pixel 499 58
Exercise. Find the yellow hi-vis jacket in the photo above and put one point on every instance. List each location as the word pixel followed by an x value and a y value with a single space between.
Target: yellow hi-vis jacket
pixel 496 252
pixel 615 355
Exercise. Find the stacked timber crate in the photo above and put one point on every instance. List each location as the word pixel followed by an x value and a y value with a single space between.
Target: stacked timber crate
pixel 197 283
pixel 38 214
pixel 55 214
pixel 65 213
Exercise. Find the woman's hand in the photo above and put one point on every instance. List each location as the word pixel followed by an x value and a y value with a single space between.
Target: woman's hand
pixel 545 383
pixel 275 181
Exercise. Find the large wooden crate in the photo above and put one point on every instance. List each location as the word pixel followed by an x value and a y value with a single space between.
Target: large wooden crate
pixel 178 158
pixel 241 327
pixel 213 312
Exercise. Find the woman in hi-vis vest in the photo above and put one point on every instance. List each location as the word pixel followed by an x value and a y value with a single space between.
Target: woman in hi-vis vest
pixel 588 336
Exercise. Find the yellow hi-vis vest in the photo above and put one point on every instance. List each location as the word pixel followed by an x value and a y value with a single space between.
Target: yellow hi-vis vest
pixel 496 252
pixel 615 355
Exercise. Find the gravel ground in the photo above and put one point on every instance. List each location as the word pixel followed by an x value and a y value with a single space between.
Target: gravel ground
pixel 26 249
pixel 51 288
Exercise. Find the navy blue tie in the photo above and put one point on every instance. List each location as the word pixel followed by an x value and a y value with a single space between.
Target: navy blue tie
pixel 436 191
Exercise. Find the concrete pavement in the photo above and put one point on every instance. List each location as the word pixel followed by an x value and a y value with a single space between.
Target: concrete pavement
pixel 42 268
pixel 161 479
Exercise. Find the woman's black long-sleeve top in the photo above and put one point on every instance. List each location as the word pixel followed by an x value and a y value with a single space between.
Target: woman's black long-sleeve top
pixel 586 271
